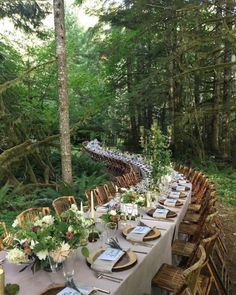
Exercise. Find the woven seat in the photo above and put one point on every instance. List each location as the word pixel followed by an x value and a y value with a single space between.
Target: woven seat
pixel 32 214
pixel 62 204
pixel 169 277
pixel 194 207
pixel 175 279
pixel 183 248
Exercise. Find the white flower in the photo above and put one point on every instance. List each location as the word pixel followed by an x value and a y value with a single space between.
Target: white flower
pixel 15 223
pixel 23 241
pixel 48 219
pixel 112 212
pixel 33 244
pixel 16 256
pixel 60 254
pixel 42 254
pixel 70 229
pixel 38 223
pixel 74 208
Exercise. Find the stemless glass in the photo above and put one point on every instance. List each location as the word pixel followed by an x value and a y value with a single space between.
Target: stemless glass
pixel 111 230
pixel 54 267
pixel 69 265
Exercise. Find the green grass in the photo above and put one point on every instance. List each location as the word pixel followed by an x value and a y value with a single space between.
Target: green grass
pixel 224 176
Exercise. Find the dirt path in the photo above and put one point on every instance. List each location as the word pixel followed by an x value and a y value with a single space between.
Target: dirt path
pixel 228 219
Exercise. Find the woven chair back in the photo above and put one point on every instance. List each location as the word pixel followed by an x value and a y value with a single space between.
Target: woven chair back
pixel 191 274
pixel 31 214
pixel 62 204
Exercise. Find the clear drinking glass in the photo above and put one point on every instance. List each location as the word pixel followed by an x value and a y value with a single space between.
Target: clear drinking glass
pixel 54 267
pixel 69 265
pixel 111 230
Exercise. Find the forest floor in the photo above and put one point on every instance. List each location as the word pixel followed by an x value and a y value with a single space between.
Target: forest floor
pixel 228 218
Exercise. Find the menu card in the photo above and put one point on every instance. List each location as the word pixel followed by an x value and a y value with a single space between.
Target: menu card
pixel 138 233
pixel 70 291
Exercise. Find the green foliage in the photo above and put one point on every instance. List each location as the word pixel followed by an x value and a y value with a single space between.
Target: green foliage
pixel 11 289
pixel 155 150
pixel 224 176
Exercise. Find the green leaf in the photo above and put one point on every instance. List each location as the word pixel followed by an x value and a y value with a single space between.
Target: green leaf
pixel 85 251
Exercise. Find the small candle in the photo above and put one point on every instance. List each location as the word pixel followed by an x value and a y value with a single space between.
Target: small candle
pixel 81 207
pixel 116 187
pixel 92 205
pixel 148 199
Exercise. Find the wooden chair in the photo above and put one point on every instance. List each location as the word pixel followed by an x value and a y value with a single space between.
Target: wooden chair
pixel 3 235
pixel 193 230
pixel 32 214
pixel 101 195
pixel 62 204
pixel 175 279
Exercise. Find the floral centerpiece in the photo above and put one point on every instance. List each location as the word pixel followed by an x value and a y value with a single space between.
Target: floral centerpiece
pixel 113 214
pixel 133 197
pixel 49 235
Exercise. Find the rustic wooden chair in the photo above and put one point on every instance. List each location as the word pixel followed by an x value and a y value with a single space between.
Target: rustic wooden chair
pixel 3 235
pixel 101 195
pixel 193 230
pixel 175 279
pixel 205 207
pixel 109 194
pixel 32 214
pixel 187 249
pixel 62 204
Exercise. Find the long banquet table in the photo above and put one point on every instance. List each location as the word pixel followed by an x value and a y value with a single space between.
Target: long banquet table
pixel 136 280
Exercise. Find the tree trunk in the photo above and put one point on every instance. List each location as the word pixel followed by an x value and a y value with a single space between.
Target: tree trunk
pixel 215 132
pixel 58 6
pixel 227 87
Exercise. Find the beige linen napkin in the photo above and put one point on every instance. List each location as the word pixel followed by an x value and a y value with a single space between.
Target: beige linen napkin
pixel 170 202
pixel 160 213
pixel 180 188
pixel 106 261
pixel 138 233
pixel 174 195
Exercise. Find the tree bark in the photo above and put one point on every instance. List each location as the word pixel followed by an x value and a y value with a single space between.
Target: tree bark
pixel 59 21
pixel 227 87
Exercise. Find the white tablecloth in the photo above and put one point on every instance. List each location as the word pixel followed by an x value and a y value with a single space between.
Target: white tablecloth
pixel 136 280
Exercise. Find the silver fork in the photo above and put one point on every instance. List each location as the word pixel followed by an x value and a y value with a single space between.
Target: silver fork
pixel 108 277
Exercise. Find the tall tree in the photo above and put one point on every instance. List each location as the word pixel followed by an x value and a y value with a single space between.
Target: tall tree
pixel 59 21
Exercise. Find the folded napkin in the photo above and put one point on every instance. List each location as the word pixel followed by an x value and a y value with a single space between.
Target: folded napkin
pixel 181 182
pixel 70 291
pixel 174 195
pixel 160 213
pixel 107 260
pixel 180 188
pixel 138 233
pixel 170 202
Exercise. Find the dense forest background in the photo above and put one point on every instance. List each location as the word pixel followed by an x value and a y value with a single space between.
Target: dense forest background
pixel 171 62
